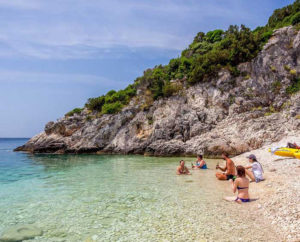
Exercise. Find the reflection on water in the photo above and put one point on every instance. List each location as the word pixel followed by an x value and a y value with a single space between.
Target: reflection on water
pixel 120 198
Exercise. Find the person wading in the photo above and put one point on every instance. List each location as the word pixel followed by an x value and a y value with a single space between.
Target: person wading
pixel 182 169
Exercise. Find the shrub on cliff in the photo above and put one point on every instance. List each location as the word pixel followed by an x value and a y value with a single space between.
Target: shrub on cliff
pixel 295 19
pixel 294 87
pixel 284 16
pixel 156 81
pixel 75 110
pixel 95 103
pixel 111 108
pixel 170 88
pixel 214 36
pixel 112 97
pixel 232 47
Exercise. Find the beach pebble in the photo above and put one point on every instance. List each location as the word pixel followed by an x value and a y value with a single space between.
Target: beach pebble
pixel 95 237
pixel 20 232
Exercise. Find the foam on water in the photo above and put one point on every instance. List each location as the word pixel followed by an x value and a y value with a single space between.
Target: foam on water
pixel 120 198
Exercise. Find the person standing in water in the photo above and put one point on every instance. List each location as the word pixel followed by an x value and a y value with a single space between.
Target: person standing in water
pixel 182 169
pixel 228 170
pixel 257 171
pixel 241 184
pixel 200 163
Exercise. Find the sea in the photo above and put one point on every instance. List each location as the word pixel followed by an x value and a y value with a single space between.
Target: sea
pixel 120 198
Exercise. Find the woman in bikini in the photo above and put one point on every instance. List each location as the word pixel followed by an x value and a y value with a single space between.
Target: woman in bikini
pixel 241 184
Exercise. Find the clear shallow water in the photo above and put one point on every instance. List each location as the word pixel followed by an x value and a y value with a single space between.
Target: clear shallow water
pixel 119 198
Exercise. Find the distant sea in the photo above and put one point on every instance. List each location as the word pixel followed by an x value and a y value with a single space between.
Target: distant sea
pixel 118 198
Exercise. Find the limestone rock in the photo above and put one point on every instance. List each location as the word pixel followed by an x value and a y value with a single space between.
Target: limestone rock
pixel 233 114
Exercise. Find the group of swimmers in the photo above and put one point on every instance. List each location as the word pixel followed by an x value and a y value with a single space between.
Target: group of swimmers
pixel 237 175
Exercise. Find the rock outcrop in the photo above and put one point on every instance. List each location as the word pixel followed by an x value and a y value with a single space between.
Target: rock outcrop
pixel 233 114
pixel 20 232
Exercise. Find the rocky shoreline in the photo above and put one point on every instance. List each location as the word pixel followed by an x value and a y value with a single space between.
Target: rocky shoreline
pixel 279 195
pixel 228 113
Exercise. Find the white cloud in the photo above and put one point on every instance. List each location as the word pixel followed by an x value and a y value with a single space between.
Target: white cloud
pixel 15 77
pixel 80 29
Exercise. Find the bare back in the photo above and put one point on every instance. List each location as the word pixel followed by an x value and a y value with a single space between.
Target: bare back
pixel 242 185
pixel 230 167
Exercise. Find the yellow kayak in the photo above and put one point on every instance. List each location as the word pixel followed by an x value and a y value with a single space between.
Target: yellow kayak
pixel 297 154
pixel 286 152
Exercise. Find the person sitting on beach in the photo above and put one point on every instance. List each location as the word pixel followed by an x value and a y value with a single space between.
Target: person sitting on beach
pixel 182 169
pixel 241 184
pixel 257 171
pixel 200 163
pixel 228 170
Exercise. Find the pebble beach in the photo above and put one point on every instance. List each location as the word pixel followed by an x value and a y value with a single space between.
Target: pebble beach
pixel 279 195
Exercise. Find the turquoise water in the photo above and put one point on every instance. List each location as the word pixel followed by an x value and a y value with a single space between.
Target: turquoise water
pixel 119 198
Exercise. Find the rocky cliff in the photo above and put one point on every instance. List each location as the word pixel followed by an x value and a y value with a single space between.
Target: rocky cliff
pixel 233 114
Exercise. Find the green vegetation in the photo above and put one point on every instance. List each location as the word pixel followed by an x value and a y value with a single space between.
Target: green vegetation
pixel 201 61
pixel 112 102
pixel 293 72
pixel 286 105
pixel 276 86
pixel 285 16
pixel 295 19
pixel 89 118
pixel 110 108
pixel 259 108
pixel 75 110
pixel 150 120
pixel 236 45
pixel 271 111
pixel 246 77
pixel 268 114
pixel 287 68
pixel 294 87
pixel 273 68
pixel 215 50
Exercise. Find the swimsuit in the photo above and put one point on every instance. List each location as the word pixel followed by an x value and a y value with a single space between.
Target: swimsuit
pixel 239 188
pixel 202 167
pixel 228 177
pixel 244 200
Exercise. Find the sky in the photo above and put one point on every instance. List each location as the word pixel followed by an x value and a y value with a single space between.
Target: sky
pixel 56 54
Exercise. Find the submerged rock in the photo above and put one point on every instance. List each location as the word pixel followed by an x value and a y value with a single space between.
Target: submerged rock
pixel 20 233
